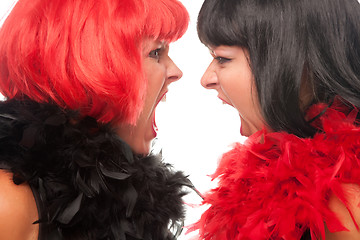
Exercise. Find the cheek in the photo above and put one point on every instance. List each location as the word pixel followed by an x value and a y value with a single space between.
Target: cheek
pixel 155 75
pixel 155 83
pixel 242 93
pixel 237 88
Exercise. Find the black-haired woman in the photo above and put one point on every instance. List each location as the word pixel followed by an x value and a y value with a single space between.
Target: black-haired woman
pixel 292 70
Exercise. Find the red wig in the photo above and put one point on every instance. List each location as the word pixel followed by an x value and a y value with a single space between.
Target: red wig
pixel 84 54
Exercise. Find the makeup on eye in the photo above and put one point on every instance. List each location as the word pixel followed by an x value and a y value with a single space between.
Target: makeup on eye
pixel 222 60
pixel 219 57
pixel 158 50
pixel 156 53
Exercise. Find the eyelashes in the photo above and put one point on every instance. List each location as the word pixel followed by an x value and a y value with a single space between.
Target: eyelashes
pixel 219 59
pixel 222 60
pixel 156 53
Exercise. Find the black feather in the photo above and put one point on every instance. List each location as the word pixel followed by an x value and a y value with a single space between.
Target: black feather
pixel 90 184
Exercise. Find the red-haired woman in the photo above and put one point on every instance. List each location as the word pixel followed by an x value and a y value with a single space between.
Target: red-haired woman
pixel 82 80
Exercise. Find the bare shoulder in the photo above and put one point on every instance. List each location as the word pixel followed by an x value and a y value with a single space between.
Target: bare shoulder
pixel 18 210
pixel 352 193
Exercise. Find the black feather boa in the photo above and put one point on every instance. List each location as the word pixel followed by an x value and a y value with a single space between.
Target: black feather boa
pixel 90 183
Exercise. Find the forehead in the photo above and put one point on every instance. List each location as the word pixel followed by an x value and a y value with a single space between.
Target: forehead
pixel 149 42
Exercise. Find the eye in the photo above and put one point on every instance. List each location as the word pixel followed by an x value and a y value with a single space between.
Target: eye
pixel 222 60
pixel 155 53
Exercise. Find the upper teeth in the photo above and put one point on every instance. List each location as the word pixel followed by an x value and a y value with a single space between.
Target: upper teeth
pixel 163 99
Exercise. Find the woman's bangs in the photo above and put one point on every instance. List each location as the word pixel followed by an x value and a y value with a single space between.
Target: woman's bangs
pixel 166 20
pixel 220 24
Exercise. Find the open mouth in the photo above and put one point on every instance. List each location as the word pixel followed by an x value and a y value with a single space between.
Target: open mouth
pixel 154 126
pixel 225 102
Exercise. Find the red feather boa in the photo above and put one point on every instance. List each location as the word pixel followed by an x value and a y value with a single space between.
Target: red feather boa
pixel 277 185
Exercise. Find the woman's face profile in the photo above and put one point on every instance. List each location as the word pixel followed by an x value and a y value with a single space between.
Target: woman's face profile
pixel 159 71
pixel 230 75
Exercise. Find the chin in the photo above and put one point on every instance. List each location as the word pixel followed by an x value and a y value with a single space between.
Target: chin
pixel 142 150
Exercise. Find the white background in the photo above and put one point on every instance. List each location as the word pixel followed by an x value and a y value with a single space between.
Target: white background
pixel 195 128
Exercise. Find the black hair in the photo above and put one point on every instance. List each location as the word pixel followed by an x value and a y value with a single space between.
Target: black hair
pixel 287 41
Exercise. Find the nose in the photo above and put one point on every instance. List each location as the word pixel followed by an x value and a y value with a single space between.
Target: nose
pixel 174 73
pixel 209 80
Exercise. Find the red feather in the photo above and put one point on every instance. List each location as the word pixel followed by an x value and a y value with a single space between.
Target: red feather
pixel 277 185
